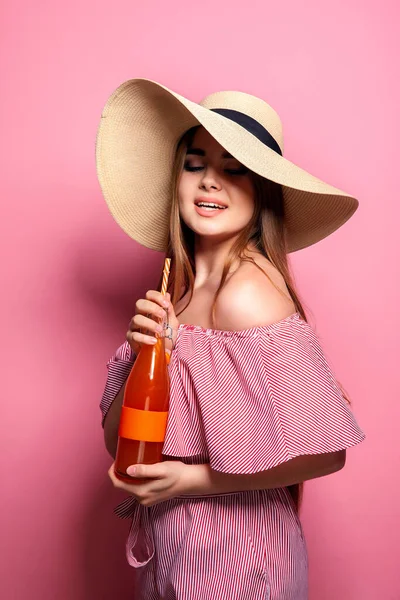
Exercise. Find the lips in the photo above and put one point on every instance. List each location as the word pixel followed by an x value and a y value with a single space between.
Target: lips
pixel 211 201
pixel 213 213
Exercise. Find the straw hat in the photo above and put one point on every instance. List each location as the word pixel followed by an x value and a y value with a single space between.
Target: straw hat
pixel 136 143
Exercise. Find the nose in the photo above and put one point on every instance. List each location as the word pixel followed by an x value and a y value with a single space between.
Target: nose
pixel 210 180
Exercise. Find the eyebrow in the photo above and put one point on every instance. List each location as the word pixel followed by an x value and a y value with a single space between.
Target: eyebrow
pixel 200 152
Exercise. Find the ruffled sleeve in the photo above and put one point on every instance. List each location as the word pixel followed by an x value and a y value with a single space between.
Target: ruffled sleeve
pixel 119 366
pixel 253 399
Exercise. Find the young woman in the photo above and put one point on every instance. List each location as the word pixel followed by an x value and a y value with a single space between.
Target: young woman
pixel 255 409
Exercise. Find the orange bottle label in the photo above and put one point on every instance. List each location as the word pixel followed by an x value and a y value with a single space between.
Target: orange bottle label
pixel 143 425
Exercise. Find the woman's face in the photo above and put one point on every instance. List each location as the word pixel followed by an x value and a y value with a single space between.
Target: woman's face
pixel 211 175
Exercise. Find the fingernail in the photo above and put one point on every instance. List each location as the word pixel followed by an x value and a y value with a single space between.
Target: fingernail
pixel 153 341
pixel 165 303
pixel 131 470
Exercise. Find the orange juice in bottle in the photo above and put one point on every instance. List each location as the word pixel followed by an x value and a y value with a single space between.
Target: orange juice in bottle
pixel 144 411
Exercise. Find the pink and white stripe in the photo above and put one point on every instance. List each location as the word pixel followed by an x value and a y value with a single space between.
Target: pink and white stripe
pixel 119 366
pixel 243 401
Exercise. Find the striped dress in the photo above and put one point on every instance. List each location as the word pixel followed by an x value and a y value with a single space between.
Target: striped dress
pixel 242 401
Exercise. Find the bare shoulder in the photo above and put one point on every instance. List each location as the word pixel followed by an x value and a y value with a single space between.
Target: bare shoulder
pixel 252 298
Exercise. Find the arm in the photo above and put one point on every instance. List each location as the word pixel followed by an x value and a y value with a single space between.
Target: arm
pixel 204 480
pixel 119 367
pixel 111 423
pixel 171 478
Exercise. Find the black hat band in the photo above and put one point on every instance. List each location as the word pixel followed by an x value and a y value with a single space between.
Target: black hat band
pixel 251 125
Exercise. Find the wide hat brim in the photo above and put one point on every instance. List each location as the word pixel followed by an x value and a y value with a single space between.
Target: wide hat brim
pixel 140 126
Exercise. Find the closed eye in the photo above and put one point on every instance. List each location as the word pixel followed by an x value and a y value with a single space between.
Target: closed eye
pixel 188 167
pixel 239 171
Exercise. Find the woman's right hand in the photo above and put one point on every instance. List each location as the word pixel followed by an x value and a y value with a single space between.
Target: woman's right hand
pixel 148 321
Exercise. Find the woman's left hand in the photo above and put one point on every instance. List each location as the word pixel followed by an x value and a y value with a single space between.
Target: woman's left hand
pixel 161 481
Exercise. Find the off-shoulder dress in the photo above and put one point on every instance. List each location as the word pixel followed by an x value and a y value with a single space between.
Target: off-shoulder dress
pixel 242 401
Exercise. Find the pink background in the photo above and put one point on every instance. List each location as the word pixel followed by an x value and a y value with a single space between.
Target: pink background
pixel 71 277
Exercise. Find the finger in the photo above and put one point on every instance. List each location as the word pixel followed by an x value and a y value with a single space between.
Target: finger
pixel 111 473
pixel 149 307
pixel 147 316
pixel 142 322
pixel 143 330
pixel 136 339
pixel 138 490
pixel 153 471
pixel 158 297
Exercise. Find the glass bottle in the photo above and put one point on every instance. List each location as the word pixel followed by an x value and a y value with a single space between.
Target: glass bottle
pixel 144 411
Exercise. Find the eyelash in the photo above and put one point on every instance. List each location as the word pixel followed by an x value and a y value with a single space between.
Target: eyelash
pixel 240 171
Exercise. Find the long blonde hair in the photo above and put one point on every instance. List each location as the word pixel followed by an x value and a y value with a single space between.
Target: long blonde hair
pixel 265 229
